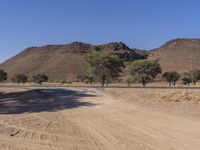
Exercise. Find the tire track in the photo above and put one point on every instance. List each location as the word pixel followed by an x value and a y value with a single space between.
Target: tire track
pixel 109 125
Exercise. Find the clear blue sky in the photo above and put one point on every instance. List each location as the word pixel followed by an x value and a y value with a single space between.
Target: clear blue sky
pixel 144 24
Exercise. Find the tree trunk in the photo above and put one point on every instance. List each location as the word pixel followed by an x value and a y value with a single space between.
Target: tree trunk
pixel 143 83
pixel 102 84
pixel 103 81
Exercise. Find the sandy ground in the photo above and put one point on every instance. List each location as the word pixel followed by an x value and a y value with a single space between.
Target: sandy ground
pixel 90 119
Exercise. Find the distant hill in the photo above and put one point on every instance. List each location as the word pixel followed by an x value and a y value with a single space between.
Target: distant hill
pixel 61 62
pixel 180 55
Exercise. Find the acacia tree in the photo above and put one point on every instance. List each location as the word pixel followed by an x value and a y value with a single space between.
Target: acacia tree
pixel 20 78
pixel 104 67
pixel 3 75
pixel 187 78
pixel 171 77
pixel 195 76
pixel 144 70
pixel 40 78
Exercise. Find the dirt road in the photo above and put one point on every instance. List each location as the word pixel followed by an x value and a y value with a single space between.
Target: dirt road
pixel 86 119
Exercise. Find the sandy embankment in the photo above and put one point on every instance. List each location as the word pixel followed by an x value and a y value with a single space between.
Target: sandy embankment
pixel 177 101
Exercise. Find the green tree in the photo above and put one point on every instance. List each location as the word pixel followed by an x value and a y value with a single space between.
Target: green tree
pixel 171 77
pixel 20 78
pixel 40 78
pixel 144 70
pixel 104 67
pixel 195 75
pixel 86 76
pixel 187 78
pixel 3 75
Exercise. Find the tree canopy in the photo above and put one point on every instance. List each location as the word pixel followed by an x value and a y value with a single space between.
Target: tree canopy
pixel 20 78
pixel 3 75
pixel 195 76
pixel 187 78
pixel 171 77
pixel 40 78
pixel 86 76
pixel 144 70
pixel 104 67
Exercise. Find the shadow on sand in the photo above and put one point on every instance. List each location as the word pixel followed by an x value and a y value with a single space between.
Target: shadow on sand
pixel 40 100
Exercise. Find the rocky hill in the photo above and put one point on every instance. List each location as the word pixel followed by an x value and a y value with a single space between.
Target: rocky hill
pixel 180 55
pixel 61 62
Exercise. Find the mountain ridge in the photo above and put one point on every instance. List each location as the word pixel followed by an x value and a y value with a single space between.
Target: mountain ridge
pixel 66 61
pixel 63 60
pixel 181 54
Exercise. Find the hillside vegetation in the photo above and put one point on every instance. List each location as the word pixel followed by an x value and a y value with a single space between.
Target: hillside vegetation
pixel 61 62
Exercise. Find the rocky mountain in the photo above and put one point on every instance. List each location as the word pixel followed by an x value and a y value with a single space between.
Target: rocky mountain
pixel 180 55
pixel 62 62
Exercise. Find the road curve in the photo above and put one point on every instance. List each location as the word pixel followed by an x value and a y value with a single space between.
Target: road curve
pixel 88 119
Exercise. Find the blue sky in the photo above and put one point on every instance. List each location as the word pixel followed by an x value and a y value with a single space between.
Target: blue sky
pixel 144 24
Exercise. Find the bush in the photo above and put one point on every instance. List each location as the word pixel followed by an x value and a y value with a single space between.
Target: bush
pixel 20 78
pixel 3 75
pixel 195 75
pixel 187 78
pixel 128 81
pixel 86 77
pixel 40 78
pixel 66 82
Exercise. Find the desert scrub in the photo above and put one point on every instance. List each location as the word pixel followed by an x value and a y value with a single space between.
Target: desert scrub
pixel 66 82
